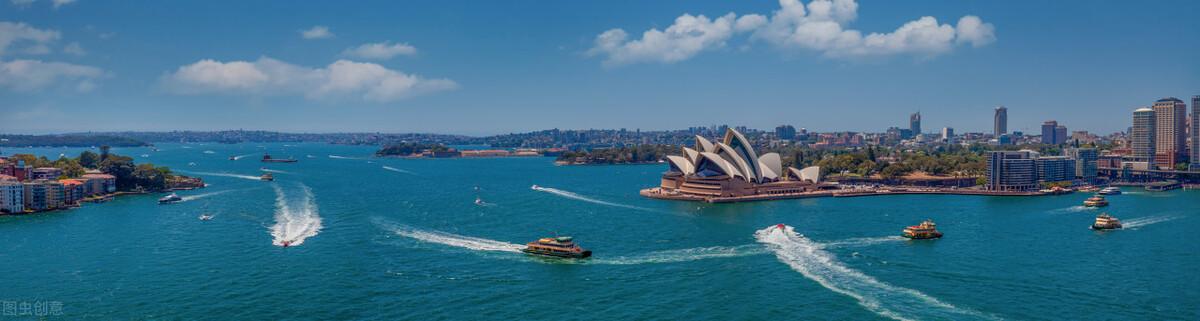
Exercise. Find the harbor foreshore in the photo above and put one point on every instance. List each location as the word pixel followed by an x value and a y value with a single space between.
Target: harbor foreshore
pixel 659 193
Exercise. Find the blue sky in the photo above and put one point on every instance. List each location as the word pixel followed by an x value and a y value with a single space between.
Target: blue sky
pixel 487 67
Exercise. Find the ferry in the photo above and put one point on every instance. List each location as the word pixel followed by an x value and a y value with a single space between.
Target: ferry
pixel 172 198
pixel 267 177
pixel 1111 191
pixel 925 230
pixel 562 246
pixel 1096 201
pixel 1106 222
pixel 1089 189
pixel 267 159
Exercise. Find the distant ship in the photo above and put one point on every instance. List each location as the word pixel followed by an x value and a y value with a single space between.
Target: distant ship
pixel 1106 222
pixel 172 198
pixel 562 246
pixel 267 159
pixel 1095 201
pixel 1111 191
pixel 925 230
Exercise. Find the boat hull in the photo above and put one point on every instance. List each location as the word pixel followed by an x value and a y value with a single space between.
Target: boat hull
pixel 923 236
pixel 580 255
pixel 1105 227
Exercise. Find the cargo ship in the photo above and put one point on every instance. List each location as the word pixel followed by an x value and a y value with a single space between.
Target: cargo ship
pixel 1106 222
pixel 267 159
pixel 1095 201
pixel 562 246
pixel 925 230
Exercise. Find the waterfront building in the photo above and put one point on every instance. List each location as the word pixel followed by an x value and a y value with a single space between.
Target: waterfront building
pixel 1195 130
pixel 785 132
pixel 1142 134
pixel 95 184
pixel 1000 121
pixel 730 168
pixel 73 191
pixel 1086 162
pixel 914 123
pixel 35 195
pixel 46 173
pixel 12 199
pixel 1055 169
pixel 1170 137
pixel 1011 171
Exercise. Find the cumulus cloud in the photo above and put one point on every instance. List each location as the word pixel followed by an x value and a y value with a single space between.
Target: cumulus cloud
pixel 74 49
pixel 38 40
pixel 316 32
pixel 55 3
pixel 821 26
pixel 380 51
pixel 59 3
pixel 29 75
pixel 267 76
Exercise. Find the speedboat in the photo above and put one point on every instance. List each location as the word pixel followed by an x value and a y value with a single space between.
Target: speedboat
pixel 172 198
pixel 925 230
pixel 478 201
pixel 267 177
pixel 1095 201
pixel 285 243
pixel 205 217
pixel 1111 191
pixel 232 157
pixel 562 246
pixel 1106 222
pixel 535 187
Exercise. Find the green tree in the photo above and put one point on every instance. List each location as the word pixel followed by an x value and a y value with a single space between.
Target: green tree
pixel 88 159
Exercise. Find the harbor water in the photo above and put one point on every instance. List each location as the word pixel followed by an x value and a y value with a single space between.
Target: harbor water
pixel 404 239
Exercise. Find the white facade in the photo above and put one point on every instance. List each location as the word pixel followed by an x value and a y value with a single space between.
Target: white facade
pixel 12 196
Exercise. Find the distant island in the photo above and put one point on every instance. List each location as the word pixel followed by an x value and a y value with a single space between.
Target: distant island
pixel 426 150
pixel 625 155
pixel 68 140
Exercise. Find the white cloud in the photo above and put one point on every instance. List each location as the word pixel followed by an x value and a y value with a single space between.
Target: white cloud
pixel 380 51
pixel 74 49
pixel 266 76
pixel 39 39
pixel 55 3
pixel 29 75
pixel 316 32
pixel 820 26
pixel 22 3
pixel 688 36
pixel 59 3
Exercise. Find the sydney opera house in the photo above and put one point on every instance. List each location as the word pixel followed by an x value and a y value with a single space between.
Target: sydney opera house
pixel 731 170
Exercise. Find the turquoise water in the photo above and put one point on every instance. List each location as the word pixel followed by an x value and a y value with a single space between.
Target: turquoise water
pixel 393 239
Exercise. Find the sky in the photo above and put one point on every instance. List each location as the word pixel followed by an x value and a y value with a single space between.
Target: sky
pixel 493 67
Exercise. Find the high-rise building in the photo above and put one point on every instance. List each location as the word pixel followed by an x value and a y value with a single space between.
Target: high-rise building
pixel 786 132
pixel 948 134
pixel 12 199
pixel 1000 121
pixel 914 123
pixel 1170 136
pixel 1055 169
pixel 1086 161
pixel 1050 133
pixel 1195 156
pixel 1011 171
pixel 1141 136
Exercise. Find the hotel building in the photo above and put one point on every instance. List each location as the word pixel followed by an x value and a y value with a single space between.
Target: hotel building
pixel 1170 136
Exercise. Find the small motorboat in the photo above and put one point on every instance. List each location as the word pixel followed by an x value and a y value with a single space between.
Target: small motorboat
pixel 925 230
pixel 205 217
pixel 232 157
pixel 535 187
pixel 267 177
pixel 285 243
pixel 1106 222
pixel 1111 191
pixel 479 201
pixel 172 198
pixel 1095 201
pixel 562 246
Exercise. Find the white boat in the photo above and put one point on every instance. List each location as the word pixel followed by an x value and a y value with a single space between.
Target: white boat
pixel 478 201
pixel 1110 191
pixel 535 187
pixel 204 217
pixel 172 198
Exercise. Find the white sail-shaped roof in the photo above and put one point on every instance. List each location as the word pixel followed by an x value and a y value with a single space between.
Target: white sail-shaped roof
pixel 703 145
pixel 725 166
pixel 682 164
pixel 740 144
pixel 691 154
pixel 772 163
pixel 811 173
pixel 735 158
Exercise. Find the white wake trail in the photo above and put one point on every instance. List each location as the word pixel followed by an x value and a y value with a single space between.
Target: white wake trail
pixel 273 171
pixel 863 241
pixel 199 196
pixel 808 258
pixel 249 177
pixel 1074 209
pixel 1143 221
pixel 398 170
pixel 455 240
pixel 295 224
pixel 340 157
pixel 242 156
pixel 578 197
pixel 685 255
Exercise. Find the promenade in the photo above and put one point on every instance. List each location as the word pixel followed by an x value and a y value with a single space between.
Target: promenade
pixel 658 193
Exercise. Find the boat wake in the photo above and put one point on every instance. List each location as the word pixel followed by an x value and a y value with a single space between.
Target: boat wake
pixel 242 156
pixel 209 152
pixel 199 196
pixel 341 157
pixel 1075 209
pixel 808 258
pixel 398 170
pixel 863 241
pixel 296 219
pixel 249 177
pixel 455 240
pixel 578 197
pixel 273 171
pixel 1135 223
pixel 684 255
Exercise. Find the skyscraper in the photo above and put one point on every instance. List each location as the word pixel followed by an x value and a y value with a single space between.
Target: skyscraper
pixel 1170 136
pixel 1000 121
pixel 1195 156
pixel 948 134
pixel 1141 138
pixel 785 132
pixel 1049 129
pixel 914 123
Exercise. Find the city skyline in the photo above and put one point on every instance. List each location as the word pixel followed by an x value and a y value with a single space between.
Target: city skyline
pixel 74 69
